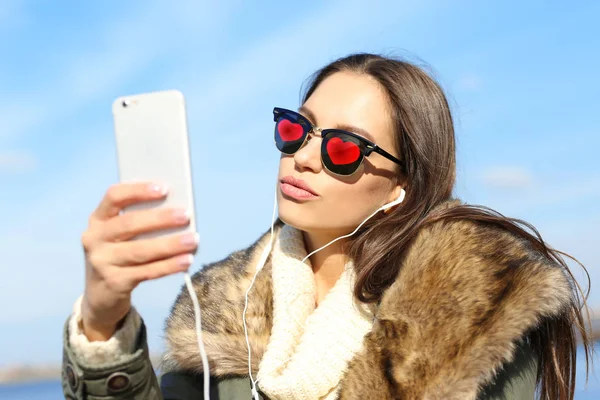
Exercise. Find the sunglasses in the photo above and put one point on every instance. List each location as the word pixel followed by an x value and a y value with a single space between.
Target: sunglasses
pixel 342 152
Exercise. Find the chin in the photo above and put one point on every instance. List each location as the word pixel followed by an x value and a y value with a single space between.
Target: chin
pixel 293 214
pixel 291 218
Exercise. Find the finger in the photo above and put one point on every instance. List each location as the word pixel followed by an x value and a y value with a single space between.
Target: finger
pixel 143 251
pixel 130 224
pixel 158 269
pixel 123 194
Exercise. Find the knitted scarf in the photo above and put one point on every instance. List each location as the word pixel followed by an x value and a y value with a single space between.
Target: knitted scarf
pixel 309 347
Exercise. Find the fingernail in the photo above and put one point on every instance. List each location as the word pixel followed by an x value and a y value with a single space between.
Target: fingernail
pixel 158 189
pixel 186 260
pixel 181 215
pixel 190 239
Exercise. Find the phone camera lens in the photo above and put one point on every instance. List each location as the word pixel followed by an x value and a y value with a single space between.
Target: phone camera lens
pixel 125 103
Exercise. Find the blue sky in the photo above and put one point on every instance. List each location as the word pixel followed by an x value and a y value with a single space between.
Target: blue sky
pixel 522 81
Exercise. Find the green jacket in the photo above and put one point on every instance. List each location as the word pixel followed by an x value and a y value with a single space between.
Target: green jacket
pixel 515 381
pixel 453 325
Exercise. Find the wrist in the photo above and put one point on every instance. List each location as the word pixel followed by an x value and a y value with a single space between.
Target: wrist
pixel 97 327
pixel 95 333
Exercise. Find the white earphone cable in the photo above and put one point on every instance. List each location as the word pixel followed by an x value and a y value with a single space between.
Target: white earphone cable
pixel 260 265
pixel 190 288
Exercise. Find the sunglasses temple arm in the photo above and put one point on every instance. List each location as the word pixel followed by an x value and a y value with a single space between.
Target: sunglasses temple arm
pixel 387 155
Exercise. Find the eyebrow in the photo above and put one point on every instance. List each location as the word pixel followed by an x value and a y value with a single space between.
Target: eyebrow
pixel 308 113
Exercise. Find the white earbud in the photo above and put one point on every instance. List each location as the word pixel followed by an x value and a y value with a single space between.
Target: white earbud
pixel 399 200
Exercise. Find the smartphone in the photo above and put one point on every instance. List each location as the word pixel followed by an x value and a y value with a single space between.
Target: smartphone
pixel 153 146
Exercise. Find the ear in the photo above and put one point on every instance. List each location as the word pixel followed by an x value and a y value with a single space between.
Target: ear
pixel 393 196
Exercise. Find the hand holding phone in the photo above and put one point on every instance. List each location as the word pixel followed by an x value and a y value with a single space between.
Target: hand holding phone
pixel 144 227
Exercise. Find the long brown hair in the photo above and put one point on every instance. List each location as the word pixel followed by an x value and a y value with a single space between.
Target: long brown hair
pixel 426 143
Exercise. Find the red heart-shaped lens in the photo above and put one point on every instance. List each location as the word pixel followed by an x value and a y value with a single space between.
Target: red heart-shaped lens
pixel 342 153
pixel 289 131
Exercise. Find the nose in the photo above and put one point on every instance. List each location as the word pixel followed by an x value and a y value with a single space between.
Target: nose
pixel 308 158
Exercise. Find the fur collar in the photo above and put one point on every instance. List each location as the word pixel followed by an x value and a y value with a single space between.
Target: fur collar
pixel 466 294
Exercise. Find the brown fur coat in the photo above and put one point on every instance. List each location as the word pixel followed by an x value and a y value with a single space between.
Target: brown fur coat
pixel 466 294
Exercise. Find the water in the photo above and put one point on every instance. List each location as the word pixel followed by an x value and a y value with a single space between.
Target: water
pixel 45 390
pixel 52 390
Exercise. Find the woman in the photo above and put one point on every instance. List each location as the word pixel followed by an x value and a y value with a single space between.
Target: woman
pixel 430 299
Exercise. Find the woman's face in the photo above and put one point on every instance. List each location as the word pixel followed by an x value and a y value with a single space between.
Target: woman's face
pixel 344 100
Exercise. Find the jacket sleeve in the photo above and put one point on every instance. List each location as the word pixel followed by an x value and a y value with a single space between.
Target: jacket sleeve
pixel 516 380
pixel 103 370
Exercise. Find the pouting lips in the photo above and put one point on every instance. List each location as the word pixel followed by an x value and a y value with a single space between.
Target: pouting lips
pixel 289 131
pixel 342 153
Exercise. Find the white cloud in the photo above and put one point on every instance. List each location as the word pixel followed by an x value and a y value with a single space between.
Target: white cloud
pixel 508 177
pixel 563 192
pixel 548 197
pixel 17 162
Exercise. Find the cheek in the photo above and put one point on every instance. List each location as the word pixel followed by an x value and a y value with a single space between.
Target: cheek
pixel 358 200
pixel 366 197
pixel 286 165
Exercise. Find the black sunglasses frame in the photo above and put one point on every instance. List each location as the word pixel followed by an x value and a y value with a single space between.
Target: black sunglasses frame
pixel 369 146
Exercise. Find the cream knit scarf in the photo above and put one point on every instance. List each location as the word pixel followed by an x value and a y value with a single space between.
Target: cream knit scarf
pixel 309 347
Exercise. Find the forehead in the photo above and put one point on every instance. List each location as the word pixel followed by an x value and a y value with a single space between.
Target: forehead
pixel 346 98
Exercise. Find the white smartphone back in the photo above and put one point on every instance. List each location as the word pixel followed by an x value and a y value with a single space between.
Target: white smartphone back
pixel 152 146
